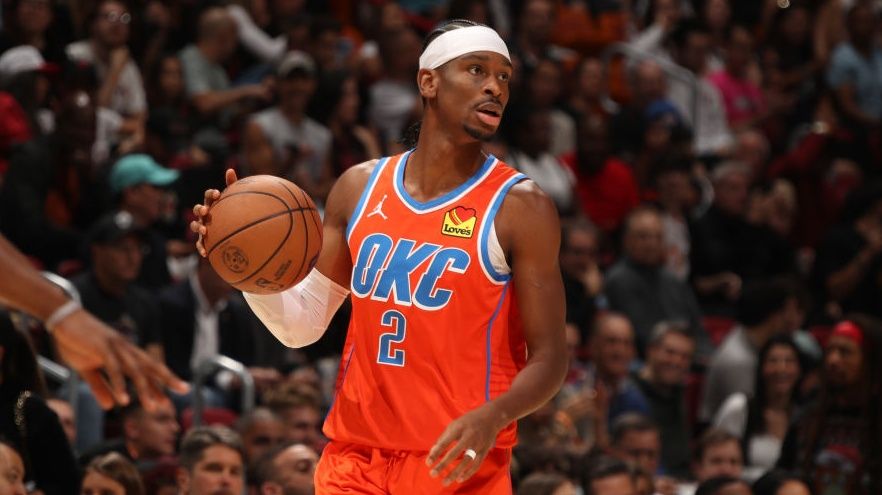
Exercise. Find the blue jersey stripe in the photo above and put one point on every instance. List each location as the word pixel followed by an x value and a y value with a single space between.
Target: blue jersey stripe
pixel 488 223
pixel 450 196
pixel 490 341
pixel 368 189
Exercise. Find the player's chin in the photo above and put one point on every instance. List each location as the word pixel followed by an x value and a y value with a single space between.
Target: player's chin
pixel 483 133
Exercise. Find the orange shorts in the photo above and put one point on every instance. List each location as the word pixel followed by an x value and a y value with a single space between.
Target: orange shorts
pixel 349 468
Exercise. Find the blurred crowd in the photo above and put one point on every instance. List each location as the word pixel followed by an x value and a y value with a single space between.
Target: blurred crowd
pixel 716 165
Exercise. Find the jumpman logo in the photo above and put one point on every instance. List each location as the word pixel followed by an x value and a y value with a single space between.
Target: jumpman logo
pixel 378 210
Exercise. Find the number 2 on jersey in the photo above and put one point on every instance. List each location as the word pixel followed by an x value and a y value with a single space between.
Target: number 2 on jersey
pixel 387 355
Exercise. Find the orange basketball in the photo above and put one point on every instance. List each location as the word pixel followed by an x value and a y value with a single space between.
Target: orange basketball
pixel 263 235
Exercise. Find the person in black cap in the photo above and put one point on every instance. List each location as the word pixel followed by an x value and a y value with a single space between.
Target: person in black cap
pixel 107 289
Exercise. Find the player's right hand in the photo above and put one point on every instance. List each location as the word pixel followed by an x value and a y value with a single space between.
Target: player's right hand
pixel 201 211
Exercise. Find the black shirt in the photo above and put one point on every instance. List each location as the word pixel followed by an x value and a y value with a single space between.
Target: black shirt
pixel 135 314
pixel 841 245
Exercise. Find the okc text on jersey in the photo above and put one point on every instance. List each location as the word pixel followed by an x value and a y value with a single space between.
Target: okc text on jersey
pixel 385 269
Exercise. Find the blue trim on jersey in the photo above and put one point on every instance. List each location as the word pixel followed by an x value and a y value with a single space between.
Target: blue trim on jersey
pixel 399 184
pixel 490 342
pixel 488 222
pixel 342 379
pixel 368 189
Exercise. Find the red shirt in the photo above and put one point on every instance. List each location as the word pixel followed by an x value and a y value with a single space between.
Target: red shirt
pixel 14 128
pixel 743 99
pixel 607 196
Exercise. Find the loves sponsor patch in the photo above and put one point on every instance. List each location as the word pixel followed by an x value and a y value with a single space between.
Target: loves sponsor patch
pixel 459 222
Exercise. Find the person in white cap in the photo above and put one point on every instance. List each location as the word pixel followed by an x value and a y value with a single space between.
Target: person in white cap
pixel 451 258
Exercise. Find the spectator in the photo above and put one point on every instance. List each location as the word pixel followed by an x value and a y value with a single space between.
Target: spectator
pixel 649 84
pixel 546 484
pixel 336 105
pixel 677 197
pixel 662 380
pixel 723 485
pixel 743 99
pixel 117 249
pixel 636 440
pixel 856 84
pixel 24 90
pixel 65 413
pixel 30 22
pixel 172 121
pixel 718 453
pixel 203 317
pixel 325 44
pixel 138 184
pixel 848 263
pixel 836 445
pixel 283 140
pixel 205 79
pixel 120 86
pixel 393 101
pixel 664 138
pixel 532 41
pixel 111 474
pixel 583 280
pixel 212 462
pixel 531 129
pixel 727 251
pixel 544 87
pixel 605 186
pixel 640 287
pixel 261 432
pixel 44 198
pixel 716 15
pixel 778 482
pixel 606 475
pixel 691 42
pixel 31 427
pixel 12 471
pixel 147 437
pixel 298 407
pixel 287 470
pixel 766 309
pixel 762 420
pixel 606 392
pixel 590 93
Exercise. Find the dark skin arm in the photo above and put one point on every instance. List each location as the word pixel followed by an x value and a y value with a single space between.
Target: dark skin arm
pixel 529 232
pixel 100 354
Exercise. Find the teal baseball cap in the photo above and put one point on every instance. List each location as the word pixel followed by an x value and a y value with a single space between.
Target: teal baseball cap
pixel 132 170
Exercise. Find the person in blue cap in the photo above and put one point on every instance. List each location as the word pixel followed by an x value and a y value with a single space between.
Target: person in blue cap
pixel 138 185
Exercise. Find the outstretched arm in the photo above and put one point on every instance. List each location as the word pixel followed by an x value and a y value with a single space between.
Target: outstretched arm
pixel 529 231
pixel 102 357
pixel 299 316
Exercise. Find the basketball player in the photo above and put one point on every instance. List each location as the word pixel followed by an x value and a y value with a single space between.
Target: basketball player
pixel 435 246
pixel 101 355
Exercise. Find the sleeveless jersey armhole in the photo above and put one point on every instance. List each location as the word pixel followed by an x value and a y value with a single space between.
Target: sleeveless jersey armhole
pixel 365 196
pixel 492 257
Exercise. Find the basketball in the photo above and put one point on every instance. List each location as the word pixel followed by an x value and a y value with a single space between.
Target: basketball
pixel 263 234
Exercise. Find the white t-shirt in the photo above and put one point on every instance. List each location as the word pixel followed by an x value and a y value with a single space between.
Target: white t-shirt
pixel 128 97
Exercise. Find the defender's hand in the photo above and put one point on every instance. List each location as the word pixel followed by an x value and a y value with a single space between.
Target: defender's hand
pixel 201 211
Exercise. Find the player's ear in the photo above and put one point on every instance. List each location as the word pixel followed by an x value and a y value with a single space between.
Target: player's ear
pixel 427 81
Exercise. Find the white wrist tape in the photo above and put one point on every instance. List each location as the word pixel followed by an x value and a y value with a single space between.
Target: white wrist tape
pixel 458 42
pixel 60 313
pixel 300 315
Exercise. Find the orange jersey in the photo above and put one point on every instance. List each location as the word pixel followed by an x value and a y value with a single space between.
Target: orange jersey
pixel 432 333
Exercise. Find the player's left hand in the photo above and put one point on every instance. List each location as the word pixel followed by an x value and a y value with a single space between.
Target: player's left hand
pixel 475 430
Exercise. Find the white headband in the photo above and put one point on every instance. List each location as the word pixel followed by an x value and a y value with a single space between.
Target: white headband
pixel 457 42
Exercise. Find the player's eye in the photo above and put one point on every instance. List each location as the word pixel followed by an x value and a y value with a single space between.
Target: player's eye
pixel 475 70
pixel 504 77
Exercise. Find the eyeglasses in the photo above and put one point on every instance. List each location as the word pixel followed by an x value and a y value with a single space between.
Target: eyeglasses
pixel 114 17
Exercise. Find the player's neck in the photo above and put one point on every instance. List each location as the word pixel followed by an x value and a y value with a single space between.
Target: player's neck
pixel 439 165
